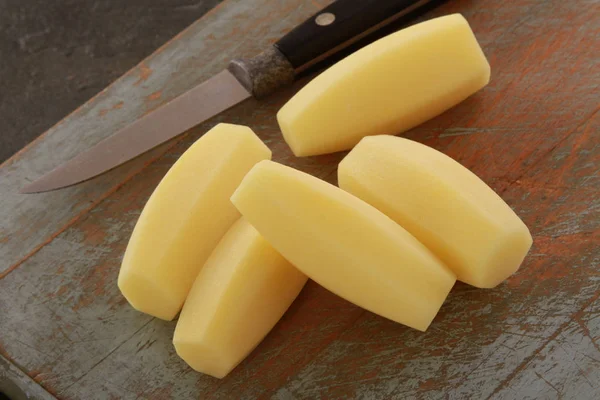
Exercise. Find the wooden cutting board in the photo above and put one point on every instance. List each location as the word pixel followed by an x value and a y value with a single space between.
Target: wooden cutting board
pixel 533 134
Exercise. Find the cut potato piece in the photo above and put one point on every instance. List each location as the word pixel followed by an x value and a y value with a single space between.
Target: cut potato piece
pixel 387 87
pixel 241 292
pixel 185 218
pixel 443 204
pixel 344 244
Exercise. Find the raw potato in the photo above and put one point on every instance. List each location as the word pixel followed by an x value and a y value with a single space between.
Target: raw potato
pixel 388 87
pixel 241 292
pixel 185 218
pixel 443 204
pixel 344 244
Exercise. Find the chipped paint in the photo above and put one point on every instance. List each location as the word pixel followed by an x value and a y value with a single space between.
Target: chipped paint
pixel 144 72
pixel 103 111
pixel 154 95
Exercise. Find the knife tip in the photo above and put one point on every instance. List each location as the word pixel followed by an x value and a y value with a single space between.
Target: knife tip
pixel 28 189
pixel 34 187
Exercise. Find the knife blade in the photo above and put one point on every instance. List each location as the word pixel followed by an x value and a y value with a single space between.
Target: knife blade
pixel 318 39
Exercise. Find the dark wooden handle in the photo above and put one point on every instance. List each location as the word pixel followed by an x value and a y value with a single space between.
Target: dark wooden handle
pixel 339 25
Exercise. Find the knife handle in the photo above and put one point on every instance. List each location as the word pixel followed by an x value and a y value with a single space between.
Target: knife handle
pixel 331 30
pixel 338 25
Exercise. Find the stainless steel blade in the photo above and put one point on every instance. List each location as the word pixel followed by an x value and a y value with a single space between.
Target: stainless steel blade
pixel 211 97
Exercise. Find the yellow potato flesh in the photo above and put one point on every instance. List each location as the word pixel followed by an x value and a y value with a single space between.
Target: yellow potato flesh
pixel 344 244
pixel 185 218
pixel 388 87
pixel 242 291
pixel 443 204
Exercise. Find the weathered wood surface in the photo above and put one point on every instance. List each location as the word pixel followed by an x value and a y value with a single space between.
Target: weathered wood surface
pixel 533 134
pixel 17 385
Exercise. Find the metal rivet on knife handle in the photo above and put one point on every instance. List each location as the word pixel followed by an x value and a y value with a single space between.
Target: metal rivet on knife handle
pixel 325 19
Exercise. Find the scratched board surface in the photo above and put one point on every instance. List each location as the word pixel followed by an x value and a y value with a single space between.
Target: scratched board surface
pixel 533 134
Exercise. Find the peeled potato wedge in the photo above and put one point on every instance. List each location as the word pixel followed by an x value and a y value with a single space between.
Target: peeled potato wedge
pixel 387 87
pixel 344 244
pixel 185 218
pixel 241 292
pixel 443 204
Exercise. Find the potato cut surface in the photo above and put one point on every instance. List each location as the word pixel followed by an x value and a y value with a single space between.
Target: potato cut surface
pixel 344 244
pixel 387 87
pixel 241 292
pixel 443 204
pixel 185 218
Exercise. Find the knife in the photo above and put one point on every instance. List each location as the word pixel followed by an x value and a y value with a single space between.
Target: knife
pixel 334 30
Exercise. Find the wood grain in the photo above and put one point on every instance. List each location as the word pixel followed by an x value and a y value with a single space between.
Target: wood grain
pixel 17 385
pixel 533 134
